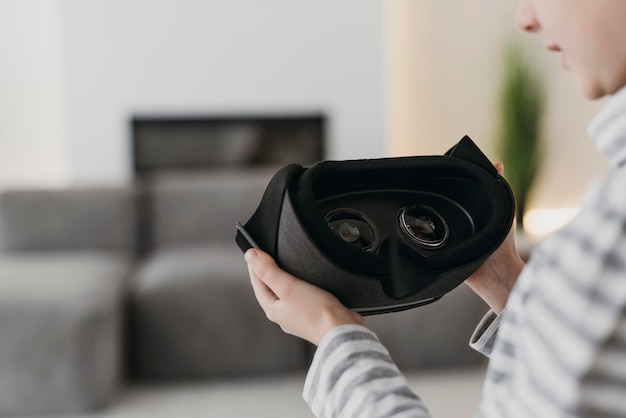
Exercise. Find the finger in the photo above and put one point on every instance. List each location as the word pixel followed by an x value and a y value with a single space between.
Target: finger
pixel 265 269
pixel 500 167
pixel 264 295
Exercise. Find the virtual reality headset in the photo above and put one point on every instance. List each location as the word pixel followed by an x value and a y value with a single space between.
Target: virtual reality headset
pixel 384 235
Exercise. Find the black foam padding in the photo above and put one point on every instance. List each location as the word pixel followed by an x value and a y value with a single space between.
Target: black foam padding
pixel 467 150
pixel 431 173
pixel 298 255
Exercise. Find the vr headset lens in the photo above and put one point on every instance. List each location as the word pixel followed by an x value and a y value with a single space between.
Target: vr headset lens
pixel 423 226
pixel 353 227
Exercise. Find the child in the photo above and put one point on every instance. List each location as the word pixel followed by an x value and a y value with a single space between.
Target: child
pixel 556 332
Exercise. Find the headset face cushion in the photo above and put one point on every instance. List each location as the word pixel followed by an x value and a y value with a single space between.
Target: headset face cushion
pixel 387 234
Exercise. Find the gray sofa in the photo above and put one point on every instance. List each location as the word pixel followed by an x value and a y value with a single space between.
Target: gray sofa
pixel 193 314
pixel 106 290
pixel 66 258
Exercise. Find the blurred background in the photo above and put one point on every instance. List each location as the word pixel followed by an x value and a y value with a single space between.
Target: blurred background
pixel 392 77
pixel 91 91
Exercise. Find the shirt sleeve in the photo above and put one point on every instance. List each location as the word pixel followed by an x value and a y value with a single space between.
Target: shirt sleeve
pixel 484 336
pixel 561 345
pixel 353 375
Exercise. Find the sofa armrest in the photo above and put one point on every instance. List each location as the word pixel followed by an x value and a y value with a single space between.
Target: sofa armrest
pixel 68 219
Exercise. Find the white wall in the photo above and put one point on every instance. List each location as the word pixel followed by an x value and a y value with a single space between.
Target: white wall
pixel 33 134
pixel 209 56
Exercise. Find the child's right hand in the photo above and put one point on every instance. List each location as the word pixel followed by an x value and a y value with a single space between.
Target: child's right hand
pixel 300 308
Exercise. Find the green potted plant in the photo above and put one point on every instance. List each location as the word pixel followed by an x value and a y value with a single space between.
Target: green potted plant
pixel 519 138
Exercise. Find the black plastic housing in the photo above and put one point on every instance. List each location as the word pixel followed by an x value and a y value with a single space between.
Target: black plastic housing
pixel 462 187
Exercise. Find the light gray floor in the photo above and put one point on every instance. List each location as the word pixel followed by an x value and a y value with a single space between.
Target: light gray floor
pixel 452 393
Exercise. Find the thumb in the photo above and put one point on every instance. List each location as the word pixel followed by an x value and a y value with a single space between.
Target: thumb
pixel 265 269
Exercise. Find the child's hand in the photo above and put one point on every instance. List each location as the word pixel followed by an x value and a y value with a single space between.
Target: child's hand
pixel 300 308
pixel 494 280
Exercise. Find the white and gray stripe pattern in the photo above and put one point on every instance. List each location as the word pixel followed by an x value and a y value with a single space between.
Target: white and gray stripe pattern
pixel 560 346
pixel 352 375
pixel 558 349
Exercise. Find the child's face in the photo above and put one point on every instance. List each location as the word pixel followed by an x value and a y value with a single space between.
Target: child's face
pixel 590 35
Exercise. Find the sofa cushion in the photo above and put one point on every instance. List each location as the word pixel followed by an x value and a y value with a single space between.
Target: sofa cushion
pixel 195 316
pixel 81 218
pixel 201 208
pixel 60 322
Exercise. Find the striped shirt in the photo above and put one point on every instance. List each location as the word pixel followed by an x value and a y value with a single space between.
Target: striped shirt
pixel 559 347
